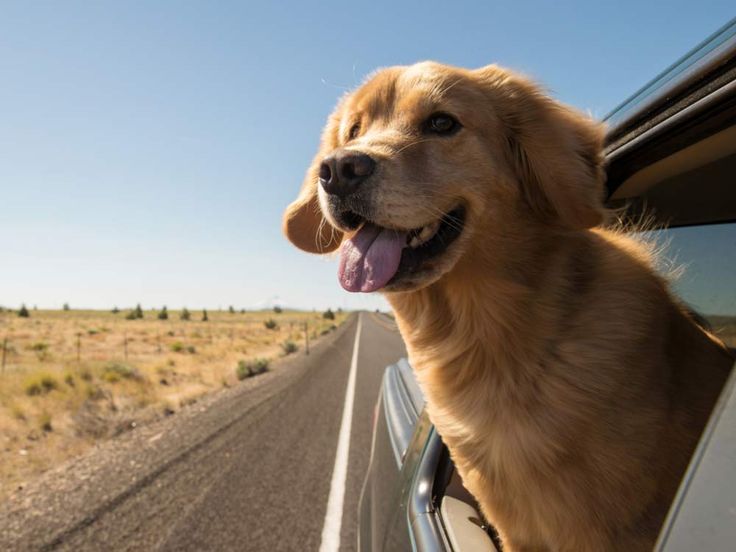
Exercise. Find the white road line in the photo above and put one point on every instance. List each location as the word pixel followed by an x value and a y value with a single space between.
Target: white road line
pixel 333 516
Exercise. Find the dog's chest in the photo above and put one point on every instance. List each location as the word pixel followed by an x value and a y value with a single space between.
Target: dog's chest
pixel 487 419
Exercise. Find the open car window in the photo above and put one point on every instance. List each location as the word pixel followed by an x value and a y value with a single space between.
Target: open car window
pixel 700 261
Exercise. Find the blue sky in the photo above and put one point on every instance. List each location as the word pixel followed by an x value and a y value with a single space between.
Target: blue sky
pixel 147 149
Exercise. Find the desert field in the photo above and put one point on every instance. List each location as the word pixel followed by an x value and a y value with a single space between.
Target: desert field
pixel 73 377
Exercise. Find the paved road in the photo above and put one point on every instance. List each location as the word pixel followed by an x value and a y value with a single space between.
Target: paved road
pixel 250 471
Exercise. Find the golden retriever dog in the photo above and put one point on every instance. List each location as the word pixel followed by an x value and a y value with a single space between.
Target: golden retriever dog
pixel 568 384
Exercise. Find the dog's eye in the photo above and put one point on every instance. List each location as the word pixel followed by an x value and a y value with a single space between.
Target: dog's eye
pixel 442 123
pixel 354 131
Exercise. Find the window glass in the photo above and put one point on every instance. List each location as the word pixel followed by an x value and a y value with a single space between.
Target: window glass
pixel 705 258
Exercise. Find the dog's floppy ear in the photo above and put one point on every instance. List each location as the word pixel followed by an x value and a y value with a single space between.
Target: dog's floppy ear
pixel 556 151
pixel 303 222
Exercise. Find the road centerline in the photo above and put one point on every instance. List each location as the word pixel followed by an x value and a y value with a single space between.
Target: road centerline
pixel 333 515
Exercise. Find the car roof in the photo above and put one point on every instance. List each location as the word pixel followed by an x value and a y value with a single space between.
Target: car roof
pixel 693 99
pixel 708 57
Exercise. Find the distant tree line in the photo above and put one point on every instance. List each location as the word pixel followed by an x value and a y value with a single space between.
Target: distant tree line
pixel 163 314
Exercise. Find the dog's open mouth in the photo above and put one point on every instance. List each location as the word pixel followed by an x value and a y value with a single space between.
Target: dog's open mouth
pixel 375 257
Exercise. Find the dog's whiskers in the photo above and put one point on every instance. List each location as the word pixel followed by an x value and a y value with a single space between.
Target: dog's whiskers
pixel 412 144
pixel 444 91
pixel 338 86
pixel 320 227
pixel 451 221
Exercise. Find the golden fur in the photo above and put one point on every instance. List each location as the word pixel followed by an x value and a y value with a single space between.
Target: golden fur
pixel 568 384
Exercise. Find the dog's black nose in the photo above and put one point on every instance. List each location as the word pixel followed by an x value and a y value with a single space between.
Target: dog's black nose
pixel 342 172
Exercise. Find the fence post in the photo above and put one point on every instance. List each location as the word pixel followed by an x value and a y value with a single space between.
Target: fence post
pixel 79 338
pixel 125 345
pixel 306 337
pixel 5 349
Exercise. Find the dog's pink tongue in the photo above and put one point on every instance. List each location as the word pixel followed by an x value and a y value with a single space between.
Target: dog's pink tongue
pixel 370 258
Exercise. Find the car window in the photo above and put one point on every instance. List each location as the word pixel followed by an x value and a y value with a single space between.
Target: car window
pixel 702 264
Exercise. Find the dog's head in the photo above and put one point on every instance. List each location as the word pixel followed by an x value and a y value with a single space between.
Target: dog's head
pixel 422 161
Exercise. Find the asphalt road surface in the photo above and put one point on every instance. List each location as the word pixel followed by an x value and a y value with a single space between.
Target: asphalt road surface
pixel 251 470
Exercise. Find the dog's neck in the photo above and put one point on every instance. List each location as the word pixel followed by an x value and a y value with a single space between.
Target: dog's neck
pixel 450 319
pixel 477 311
pixel 479 322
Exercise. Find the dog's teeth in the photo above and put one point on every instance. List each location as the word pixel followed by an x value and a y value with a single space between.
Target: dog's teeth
pixel 429 231
pixel 426 233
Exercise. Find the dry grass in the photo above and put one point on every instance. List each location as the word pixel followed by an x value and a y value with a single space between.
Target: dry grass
pixel 74 377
